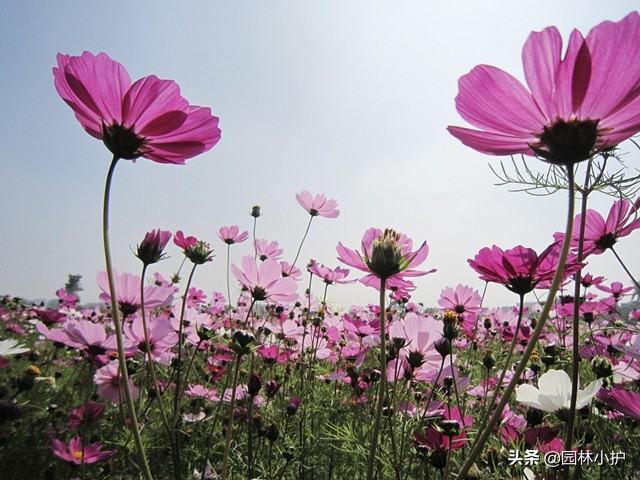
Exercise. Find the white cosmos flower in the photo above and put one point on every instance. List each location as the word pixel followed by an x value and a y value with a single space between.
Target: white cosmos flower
pixel 554 392
pixel 11 347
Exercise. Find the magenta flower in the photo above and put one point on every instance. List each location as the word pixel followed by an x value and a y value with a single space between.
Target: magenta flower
pixel 148 118
pixel 151 249
pixel 232 234
pixel 318 206
pixel 86 413
pixel 601 234
pixel 520 269
pixel 198 251
pixel 576 106
pixel 617 290
pixel 77 454
pixel 385 255
pixel 625 401
pixel 265 281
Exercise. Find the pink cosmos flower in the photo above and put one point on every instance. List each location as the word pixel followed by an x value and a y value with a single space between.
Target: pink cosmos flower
pixel 77 454
pixel 148 118
pixel 463 300
pixel 318 205
pixel 578 105
pixel 108 380
pixel 601 234
pixel 617 290
pixel 232 234
pixel 128 293
pixel 150 250
pixel 86 413
pixel 266 249
pixel 66 299
pixel 520 269
pixel 626 402
pixel 198 251
pixel 328 275
pixel 385 255
pixel 265 281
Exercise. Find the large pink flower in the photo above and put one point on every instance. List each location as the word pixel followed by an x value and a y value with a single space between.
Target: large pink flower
pixel 148 118
pixel 128 293
pixel 520 269
pixel 575 106
pixel 387 255
pixel 265 281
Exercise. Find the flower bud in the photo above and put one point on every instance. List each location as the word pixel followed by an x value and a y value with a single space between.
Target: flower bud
pixel 386 255
pixel 151 248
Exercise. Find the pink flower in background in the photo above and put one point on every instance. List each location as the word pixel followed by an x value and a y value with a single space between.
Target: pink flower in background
pixel 66 299
pixel 86 413
pixel 617 290
pixel 328 275
pixel 317 206
pixel 232 234
pixel 387 255
pixel 578 105
pixel 198 251
pixel 78 454
pixel 520 269
pixel 108 380
pixel 463 300
pixel 128 293
pixel 265 281
pixel 148 118
pixel 601 234
pixel 268 250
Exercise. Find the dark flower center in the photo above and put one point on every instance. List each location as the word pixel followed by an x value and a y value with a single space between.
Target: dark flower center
pixel 259 293
pixel 123 142
pixel 606 241
pixel 566 143
pixel 521 285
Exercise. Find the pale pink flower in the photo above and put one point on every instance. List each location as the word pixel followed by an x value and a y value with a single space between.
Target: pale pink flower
pixel 265 281
pixel 328 275
pixel 578 105
pixel 385 254
pixel 109 382
pixel 232 234
pixel 317 205
pixel 127 287
pixel 463 300
pixel 268 250
pixel 148 118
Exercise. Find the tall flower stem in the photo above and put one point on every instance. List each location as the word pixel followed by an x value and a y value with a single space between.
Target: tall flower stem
pixel 232 401
pixel 122 360
pixel 154 378
pixel 382 388
pixel 544 315
pixel 635 282
pixel 304 237
pixel 507 362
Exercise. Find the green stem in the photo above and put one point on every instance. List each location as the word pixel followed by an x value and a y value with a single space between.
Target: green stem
pixel 635 282
pixel 122 360
pixel 557 280
pixel 306 232
pixel 383 382
pixel 227 441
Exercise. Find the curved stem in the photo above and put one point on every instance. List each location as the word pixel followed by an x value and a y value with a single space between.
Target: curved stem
pixel 557 280
pixel 227 441
pixel 306 232
pixel 178 393
pixel 122 360
pixel 383 382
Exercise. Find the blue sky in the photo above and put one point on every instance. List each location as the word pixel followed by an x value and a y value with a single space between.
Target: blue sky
pixel 346 98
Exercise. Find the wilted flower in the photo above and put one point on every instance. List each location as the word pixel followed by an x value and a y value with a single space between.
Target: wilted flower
pixel 198 251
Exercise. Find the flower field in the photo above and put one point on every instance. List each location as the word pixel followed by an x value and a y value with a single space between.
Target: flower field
pixel 264 378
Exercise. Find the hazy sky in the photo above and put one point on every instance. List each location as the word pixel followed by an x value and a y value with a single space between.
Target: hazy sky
pixel 347 98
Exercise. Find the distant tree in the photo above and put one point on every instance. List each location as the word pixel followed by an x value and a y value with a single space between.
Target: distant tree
pixel 73 284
